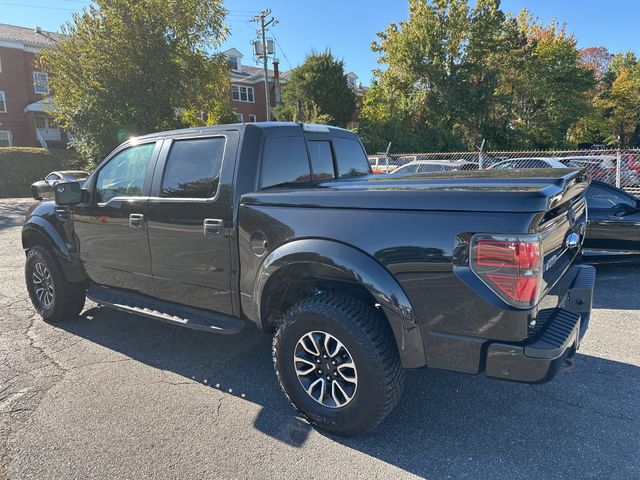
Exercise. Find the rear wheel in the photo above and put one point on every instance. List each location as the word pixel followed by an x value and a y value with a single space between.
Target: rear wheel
pixel 337 361
pixel 35 194
pixel 52 295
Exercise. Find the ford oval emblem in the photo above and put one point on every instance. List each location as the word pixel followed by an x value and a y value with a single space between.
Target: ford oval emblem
pixel 572 240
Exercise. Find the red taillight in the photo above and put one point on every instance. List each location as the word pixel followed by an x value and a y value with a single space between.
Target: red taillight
pixel 509 265
pixel 508 254
pixel 520 289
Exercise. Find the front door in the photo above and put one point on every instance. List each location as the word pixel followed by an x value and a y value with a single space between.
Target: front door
pixel 189 218
pixel 112 227
pixel 614 222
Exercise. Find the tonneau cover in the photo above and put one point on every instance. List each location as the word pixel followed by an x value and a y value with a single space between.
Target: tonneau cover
pixel 529 190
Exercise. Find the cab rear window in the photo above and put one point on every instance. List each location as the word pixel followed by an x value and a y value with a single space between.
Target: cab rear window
pixel 293 159
pixel 285 160
pixel 351 158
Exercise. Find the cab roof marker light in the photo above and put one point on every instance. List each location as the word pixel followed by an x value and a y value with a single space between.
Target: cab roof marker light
pixel 314 127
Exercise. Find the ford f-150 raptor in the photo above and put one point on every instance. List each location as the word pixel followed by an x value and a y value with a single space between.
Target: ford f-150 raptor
pixel 358 276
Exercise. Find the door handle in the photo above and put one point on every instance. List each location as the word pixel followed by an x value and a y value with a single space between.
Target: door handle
pixel 213 227
pixel 136 220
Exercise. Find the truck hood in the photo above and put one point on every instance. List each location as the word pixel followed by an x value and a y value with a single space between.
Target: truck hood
pixel 531 190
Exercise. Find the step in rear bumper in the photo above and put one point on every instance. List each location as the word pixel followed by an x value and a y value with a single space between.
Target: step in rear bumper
pixel 540 360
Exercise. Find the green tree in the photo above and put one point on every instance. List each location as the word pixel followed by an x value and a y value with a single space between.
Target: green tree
pixel 443 67
pixel 130 67
pixel 456 74
pixel 550 88
pixel 318 91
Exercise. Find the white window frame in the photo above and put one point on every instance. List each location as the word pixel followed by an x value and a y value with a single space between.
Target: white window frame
pixel 45 84
pixel 4 102
pixel 44 122
pixel 233 59
pixel 10 140
pixel 239 89
pixel 252 118
pixel 240 117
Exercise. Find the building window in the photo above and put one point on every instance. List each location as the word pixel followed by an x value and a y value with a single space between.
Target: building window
pixel 234 63
pixel 240 117
pixel 41 82
pixel 242 94
pixel 3 103
pixel 252 118
pixel 5 138
pixel 41 122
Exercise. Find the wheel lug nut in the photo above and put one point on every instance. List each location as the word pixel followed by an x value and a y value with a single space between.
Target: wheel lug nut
pixel 324 356
pixel 328 377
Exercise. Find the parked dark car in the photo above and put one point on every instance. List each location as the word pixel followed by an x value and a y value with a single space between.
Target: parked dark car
pixel 613 232
pixel 283 226
pixel 43 188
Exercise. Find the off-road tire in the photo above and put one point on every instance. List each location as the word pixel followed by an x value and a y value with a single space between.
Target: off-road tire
pixel 368 337
pixel 68 298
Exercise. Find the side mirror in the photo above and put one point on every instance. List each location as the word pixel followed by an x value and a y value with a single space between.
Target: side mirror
pixel 67 193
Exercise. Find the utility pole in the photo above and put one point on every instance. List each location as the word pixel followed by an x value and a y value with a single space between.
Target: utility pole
pixel 261 18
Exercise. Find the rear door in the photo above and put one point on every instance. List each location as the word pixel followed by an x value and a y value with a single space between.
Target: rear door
pixel 190 221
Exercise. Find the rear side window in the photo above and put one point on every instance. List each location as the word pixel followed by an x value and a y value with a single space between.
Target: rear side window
pixel 285 160
pixel 321 159
pixel 193 168
pixel 350 158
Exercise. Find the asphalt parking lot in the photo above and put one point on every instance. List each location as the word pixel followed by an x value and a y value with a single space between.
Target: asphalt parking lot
pixel 109 395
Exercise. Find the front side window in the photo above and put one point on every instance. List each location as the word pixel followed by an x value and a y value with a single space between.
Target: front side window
pixel 52 177
pixel 603 197
pixel 321 159
pixel 3 102
pixel 350 158
pixel 124 175
pixel 5 138
pixel 242 94
pixel 41 82
pixel 285 161
pixel 193 168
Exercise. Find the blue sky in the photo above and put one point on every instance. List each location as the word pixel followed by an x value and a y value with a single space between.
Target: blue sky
pixel 348 27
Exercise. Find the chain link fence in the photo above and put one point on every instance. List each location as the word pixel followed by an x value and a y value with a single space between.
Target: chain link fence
pixel 617 167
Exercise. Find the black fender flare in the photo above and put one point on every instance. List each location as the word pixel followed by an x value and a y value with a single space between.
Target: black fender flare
pixel 361 268
pixel 37 230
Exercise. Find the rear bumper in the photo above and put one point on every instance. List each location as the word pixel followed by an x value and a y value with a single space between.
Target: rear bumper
pixel 539 360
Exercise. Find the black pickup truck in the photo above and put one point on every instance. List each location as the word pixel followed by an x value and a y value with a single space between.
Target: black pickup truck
pixel 359 276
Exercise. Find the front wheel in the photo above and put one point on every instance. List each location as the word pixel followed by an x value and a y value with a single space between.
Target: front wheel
pixel 52 295
pixel 337 361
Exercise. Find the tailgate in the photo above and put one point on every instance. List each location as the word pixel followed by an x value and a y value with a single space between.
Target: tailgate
pixel 562 229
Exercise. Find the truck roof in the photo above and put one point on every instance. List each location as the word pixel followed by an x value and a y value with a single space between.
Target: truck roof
pixel 267 127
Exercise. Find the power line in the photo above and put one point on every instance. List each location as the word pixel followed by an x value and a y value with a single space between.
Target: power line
pixel 281 49
pixel 44 7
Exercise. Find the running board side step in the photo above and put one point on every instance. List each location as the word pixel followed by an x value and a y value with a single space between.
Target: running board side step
pixel 176 314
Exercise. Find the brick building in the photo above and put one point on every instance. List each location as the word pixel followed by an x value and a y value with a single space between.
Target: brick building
pixel 247 94
pixel 23 117
pixel 23 121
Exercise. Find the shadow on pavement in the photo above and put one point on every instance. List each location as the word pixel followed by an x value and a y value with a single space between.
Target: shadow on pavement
pixel 12 211
pixel 585 423
pixel 614 286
